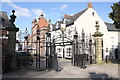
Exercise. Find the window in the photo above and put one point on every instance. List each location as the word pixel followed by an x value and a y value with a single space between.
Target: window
pixel 69 32
pixel 69 51
pixel 106 49
pixel 59 50
pixel 60 35
pixel 112 37
pixel 93 13
pixel 113 47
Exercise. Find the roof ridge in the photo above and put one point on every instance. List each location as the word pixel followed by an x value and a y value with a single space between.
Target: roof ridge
pixel 80 12
pixel 75 16
pixel 67 16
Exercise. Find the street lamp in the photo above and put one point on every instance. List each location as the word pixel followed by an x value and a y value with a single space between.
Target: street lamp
pixel 38 39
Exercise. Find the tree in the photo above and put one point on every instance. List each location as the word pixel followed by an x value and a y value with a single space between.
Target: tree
pixel 115 14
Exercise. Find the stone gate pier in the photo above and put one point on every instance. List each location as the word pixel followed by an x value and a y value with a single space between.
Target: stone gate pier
pixel 98 43
pixel 9 60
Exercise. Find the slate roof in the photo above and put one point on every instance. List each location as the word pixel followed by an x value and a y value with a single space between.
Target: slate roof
pixel 74 17
pixel 67 16
pixel 71 20
pixel 110 27
pixel 58 22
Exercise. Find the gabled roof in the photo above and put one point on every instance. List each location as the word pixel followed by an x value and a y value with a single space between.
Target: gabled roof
pixel 70 19
pixel 58 23
pixel 67 16
pixel 74 17
pixel 110 27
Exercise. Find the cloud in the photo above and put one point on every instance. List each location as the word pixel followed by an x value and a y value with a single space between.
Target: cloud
pixel 23 12
pixel 5 1
pixel 38 12
pixel 20 11
pixel 64 7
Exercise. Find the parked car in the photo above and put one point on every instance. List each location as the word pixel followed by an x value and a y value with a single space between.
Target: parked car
pixel 24 58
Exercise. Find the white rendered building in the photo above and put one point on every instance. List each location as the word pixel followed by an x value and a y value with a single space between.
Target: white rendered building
pixel 84 21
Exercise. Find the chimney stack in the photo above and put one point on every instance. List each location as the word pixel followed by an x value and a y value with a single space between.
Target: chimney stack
pixel 90 5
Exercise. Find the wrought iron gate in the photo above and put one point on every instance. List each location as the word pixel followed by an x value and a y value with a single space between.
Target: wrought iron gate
pixel 81 51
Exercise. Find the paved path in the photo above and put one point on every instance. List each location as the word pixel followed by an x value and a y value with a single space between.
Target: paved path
pixel 68 71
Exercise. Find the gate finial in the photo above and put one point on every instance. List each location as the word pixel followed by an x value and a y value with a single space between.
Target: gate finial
pixel 83 33
pixel 75 30
pixel 90 35
pixel 97 33
pixel 12 18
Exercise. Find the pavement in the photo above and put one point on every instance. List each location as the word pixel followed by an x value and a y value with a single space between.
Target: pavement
pixel 68 71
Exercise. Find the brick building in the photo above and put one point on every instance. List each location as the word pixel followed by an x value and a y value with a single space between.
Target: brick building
pixel 4 23
pixel 43 26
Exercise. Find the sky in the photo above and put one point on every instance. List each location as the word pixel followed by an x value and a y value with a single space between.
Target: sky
pixel 27 11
